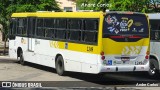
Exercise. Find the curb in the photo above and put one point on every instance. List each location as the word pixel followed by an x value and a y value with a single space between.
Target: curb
pixel 5 57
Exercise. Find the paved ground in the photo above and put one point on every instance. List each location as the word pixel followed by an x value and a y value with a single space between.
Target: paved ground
pixel 11 70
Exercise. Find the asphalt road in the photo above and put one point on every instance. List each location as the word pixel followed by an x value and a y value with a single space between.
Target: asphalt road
pixel 11 70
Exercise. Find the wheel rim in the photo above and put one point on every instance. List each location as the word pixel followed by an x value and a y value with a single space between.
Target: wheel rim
pixel 152 69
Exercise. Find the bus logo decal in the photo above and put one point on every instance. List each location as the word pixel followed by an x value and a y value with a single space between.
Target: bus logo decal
pixel 54 44
pixel 23 41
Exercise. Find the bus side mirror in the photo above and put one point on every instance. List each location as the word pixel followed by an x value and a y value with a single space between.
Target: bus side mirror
pixel 12 37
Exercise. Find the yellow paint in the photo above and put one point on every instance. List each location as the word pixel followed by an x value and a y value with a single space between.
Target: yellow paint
pixel 113 47
pixel 60 14
pixel 130 22
pixel 75 47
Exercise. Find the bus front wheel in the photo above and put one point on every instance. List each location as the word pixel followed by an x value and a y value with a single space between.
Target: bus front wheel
pixel 153 71
pixel 22 62
pixel 60 66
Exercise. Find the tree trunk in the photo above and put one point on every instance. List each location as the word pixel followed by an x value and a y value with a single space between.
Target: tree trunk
pixel 4 51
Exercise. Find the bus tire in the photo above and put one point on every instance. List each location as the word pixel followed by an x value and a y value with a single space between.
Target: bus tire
pixel 22 62
pixel 153 68
pixel 60 66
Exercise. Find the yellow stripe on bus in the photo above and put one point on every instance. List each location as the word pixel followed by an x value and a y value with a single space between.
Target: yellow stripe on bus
pixel 75 47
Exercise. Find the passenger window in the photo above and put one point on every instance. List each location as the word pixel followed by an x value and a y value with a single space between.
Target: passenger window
pixel 91 25
pixel 21 26
pixel 60 32
pixel 49 23
pixel 49 27
pixel 155 30
pixel 40 30
pixel 13 26
pixel 74 29
pixel 90 30
pixel 49 33
pixel 61 23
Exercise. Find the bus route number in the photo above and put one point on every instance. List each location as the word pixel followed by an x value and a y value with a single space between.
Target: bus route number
pixel 89 49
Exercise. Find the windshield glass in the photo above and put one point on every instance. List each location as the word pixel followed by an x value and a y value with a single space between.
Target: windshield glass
pixel 125 24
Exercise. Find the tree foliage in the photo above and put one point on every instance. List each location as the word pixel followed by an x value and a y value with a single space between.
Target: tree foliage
pixel 128 5
pixel 7 7
pixel 32 5
pixel 122 5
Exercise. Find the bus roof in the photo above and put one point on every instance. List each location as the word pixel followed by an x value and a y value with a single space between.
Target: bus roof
pixel 154 15
pixel 67 14
pixel 59 14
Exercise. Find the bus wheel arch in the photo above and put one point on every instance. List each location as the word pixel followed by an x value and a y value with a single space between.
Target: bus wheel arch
pixel 154 66
pixel 59 65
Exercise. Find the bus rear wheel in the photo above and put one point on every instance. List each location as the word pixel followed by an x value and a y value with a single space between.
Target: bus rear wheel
pixel 153 71
pixel 22 62
pixel 60 66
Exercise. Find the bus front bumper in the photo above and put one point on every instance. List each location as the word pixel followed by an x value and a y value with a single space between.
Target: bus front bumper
pixel 125 68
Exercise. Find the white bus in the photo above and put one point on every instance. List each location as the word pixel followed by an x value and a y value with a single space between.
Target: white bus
pixel 154 43
pixel 89 42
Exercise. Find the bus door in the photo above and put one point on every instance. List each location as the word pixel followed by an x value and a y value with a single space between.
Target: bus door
pixel 31 33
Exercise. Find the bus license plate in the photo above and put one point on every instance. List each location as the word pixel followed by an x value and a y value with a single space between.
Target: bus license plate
pixel 125 58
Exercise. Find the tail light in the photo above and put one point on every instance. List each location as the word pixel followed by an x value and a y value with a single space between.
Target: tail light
pixel 102 55
pixel 147 55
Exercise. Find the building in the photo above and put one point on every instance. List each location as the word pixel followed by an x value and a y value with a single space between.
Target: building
pixel 67 5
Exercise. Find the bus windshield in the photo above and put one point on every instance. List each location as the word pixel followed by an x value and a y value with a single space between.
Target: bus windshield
pixel 125 24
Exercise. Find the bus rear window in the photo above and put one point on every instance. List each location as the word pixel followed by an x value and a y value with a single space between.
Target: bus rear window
pixel 125 24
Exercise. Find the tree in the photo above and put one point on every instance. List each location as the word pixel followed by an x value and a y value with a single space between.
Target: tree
pixel 135 5
pixel 128 5
pixel 7 7
pixel 4 20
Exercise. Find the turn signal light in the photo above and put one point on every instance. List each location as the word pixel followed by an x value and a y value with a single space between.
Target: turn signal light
pixel 147 52
pixel 102 53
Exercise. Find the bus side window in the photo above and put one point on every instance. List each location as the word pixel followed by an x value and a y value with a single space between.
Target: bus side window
pixel 20 26
pixel 40 30
pixel 156 35
pixel 74 29
pixel 60 29
pixel 24 31
pixel 155 30
pixel 49 27
pixel 90 30
pixel 13 26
